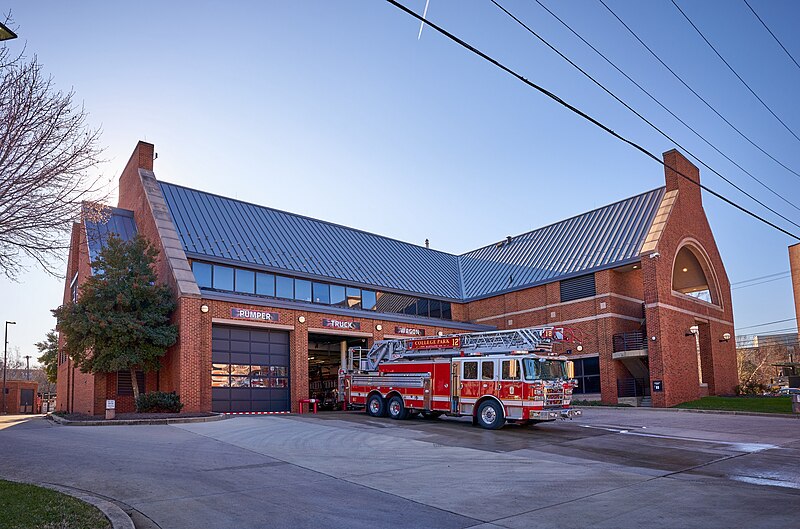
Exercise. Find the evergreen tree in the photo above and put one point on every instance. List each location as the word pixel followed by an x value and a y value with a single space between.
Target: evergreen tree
pixel 49 355
pixel 121 320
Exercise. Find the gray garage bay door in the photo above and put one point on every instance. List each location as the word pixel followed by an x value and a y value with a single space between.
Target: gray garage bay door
pixel 249 370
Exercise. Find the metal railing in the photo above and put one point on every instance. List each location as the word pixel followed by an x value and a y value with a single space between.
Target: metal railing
pixel 633 387
pixel 629 341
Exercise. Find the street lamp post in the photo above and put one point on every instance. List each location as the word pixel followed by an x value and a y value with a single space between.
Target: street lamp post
pixel 5 361
pixel 5 33
pixel 28 367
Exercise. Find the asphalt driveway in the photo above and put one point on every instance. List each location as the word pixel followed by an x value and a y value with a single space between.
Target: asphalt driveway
pixel 612 468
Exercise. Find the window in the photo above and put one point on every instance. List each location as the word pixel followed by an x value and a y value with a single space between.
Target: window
pixel 245 281
pixel 223 277
pixel 354 298
pixel 587 372
pixel 322 293
pixel 470 371
pixel 284 287
pixel 202 274
pixel 302 290
pixel 265 284
pixel 689 276
pixel 541 369
pixel 368 300
pixel 510 370
pixel 338 298
pixel 447 313
pixel 124 386
pixel 435 308
pixel 487 370
pixel 422 307
pixel 577 288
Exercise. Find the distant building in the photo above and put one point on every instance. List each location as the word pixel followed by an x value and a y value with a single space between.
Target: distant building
pixel 269 300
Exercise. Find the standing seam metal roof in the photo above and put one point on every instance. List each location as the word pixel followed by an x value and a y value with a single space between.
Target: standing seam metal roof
pixel 119 222
pixel 215 227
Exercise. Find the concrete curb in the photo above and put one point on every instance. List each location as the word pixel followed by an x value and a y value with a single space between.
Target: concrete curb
pixel 135 422
pixel 689 410
pixel 118 518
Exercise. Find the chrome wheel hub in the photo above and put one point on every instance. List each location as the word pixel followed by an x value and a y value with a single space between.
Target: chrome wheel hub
pixel 488 415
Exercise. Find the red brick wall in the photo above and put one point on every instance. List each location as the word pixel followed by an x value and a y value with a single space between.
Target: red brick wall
pixel 13 397
pixel 673 356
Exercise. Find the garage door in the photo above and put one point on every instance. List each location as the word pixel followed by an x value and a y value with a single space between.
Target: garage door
pixel 250 369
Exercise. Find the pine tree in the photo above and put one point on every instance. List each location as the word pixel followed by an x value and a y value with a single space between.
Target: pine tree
pixel 49 355
pixel 121 320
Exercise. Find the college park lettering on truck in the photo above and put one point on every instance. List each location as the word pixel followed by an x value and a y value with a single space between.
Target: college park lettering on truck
pixel 339 324
pixel 247 314
pixel 436 343
pixel 409 331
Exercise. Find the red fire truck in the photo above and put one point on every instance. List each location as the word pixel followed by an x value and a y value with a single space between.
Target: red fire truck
pixel 495 377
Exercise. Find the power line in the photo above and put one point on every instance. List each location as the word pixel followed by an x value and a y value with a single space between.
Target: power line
pixel 651 124
pixel 701 98
pixel 586 116
pixel 771 33
pixel 762 277
pixel 765 324
pixel 734 71
pixel 760 282
pixel 651 96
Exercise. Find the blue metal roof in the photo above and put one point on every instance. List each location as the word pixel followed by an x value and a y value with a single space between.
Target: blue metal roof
pixel 223 229
pixel 598 239
pixel 99 226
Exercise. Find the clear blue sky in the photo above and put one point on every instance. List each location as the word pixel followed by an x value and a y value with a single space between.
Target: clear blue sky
pixel 336 110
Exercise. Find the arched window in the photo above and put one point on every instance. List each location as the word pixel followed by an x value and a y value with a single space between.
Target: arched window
pixel 690 277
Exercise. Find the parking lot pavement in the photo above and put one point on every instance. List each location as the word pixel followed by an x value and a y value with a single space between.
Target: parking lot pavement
pixel 612 468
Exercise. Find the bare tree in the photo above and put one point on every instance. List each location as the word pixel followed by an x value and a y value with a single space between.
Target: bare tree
pixel 47 151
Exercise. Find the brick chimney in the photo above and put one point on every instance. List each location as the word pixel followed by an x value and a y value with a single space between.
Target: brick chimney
pixel 794 266
pixel 130 184
pixel 675 161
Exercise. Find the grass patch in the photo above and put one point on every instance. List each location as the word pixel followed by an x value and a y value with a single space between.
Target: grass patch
pixel 25 506
pixel 756 404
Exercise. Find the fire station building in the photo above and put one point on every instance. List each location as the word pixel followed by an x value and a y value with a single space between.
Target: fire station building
pixel 269 301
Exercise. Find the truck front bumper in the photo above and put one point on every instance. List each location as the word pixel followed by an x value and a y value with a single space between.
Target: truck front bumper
pixel 551 415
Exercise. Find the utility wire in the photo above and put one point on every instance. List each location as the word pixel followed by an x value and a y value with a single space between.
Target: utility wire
pixel 640 116
pixel 762 277
pixel 586 116
pixel 771 33
pixel 651 124
pixel 760 282
pixel 765 324
pixel 734 71
pixel 701 98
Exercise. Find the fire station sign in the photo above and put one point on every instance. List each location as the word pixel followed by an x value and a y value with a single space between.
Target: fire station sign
pixel 339 324
pixel 410 331
pixel 436 343
pixel 259 315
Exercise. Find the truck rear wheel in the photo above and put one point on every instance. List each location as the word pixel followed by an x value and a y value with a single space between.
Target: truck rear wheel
pixel 490 415
pixel 376 406
pixel 397 409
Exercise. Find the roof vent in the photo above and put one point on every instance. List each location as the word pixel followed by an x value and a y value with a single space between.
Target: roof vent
pixel 508 239
pixel 427 243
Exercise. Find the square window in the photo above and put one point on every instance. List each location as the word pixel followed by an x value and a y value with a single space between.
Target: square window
pixel 265 284
pixel 368 300
pixel 511 370
pixel 338 297
pixel 487 370
pixel 354 298
pixel 470 371
pixel 202 274
pixel 223 277
pixel 302 290
pixel 284 287
pixel 322 293
pixel 435 308
pixel 245 281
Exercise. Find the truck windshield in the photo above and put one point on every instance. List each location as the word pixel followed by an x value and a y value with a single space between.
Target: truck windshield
pixel 540 369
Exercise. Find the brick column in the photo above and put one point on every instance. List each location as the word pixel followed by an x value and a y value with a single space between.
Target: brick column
pixel 194 373
pixel 298 364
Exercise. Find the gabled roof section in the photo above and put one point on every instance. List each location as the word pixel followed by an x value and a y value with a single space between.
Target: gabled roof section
pixel 216 227
pixel 606 237
pixel 101 222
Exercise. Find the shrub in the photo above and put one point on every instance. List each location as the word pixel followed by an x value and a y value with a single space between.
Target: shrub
pixel 158 402
pixel 752 388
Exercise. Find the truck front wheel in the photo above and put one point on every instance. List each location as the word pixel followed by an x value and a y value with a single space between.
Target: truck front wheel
pixel 376 406
pixel 490 415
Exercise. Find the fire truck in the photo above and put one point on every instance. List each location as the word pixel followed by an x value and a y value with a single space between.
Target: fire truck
pixel 495 377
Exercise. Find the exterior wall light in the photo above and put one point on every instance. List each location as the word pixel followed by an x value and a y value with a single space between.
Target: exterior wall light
pixel 379 327
pixel 301 319
pixel 204 308
pixel 694 329
pixel 440 333
pixel 579 348
pixel 726 337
